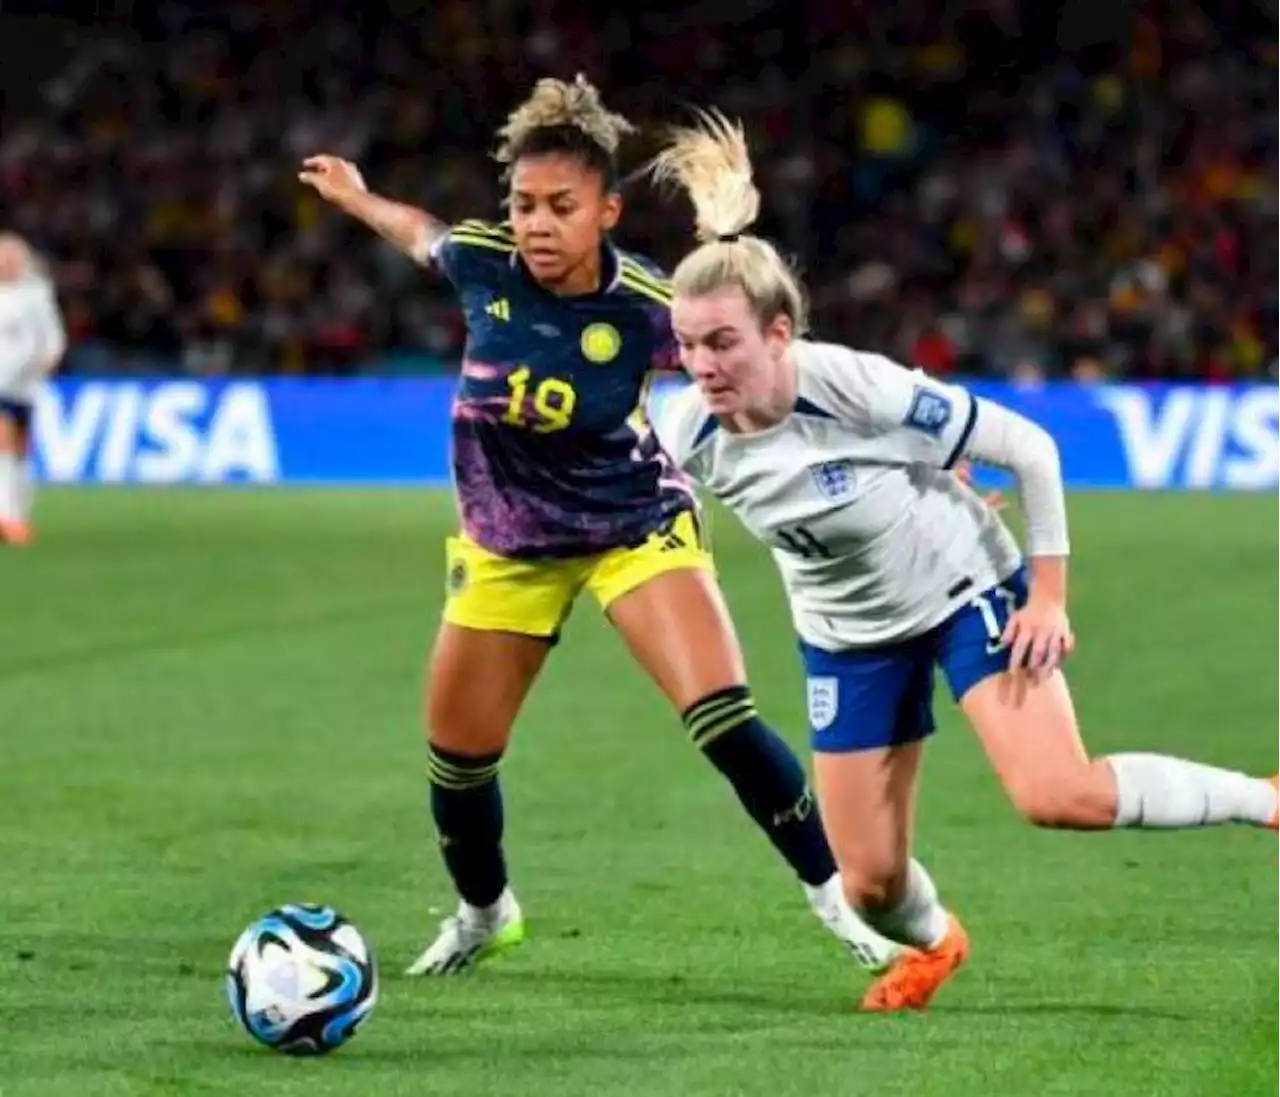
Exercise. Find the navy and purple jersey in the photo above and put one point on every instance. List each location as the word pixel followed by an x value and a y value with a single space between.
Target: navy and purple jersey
pixel 553 454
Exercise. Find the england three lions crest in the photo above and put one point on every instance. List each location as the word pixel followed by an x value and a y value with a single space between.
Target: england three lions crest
pixel 834 479
pixel 824 702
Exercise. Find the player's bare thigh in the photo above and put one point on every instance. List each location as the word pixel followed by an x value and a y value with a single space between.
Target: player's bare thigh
pixel 476 682
pixel 868 803
pixel 1029 730
pixel 678 628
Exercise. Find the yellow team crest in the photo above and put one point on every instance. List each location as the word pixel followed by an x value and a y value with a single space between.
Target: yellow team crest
pixel 600 343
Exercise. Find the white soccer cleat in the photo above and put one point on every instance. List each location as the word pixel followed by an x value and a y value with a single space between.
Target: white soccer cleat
pixel 472 935
pixel 869 948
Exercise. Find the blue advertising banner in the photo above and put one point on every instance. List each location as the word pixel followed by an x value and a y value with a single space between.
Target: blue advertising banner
pixel 396 430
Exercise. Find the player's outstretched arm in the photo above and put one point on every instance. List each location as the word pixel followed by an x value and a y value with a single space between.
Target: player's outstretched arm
pixel 407 228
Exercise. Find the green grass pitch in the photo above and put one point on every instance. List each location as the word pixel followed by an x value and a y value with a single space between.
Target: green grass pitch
pixel 209 704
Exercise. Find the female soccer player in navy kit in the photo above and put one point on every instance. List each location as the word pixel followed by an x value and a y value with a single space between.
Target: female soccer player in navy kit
pixel 840 461
pixel 562 486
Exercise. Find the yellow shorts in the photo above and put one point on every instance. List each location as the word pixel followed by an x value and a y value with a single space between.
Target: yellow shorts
pixel 533 597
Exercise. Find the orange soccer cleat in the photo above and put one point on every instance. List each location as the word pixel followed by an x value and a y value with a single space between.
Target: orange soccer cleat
pixel 914 978
pixel 1274 821
pixel 16 533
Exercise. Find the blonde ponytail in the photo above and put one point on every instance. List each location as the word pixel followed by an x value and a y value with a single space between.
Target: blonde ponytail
pixel 711 164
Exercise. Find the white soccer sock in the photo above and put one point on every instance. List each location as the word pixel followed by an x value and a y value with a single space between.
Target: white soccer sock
pixel 830 905
pixel 10 490
pixel 1156 791
pixel 918 918
pixel 26 488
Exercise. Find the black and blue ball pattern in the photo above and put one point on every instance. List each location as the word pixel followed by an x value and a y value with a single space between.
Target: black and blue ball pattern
pixel 301 979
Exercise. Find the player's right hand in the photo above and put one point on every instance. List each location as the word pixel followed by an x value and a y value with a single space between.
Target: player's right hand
pixel 332 177
pixel 1038 636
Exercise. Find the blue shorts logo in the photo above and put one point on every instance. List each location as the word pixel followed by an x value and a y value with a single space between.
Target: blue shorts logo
pixel 930 411
pixel 834 479
pixel 824 702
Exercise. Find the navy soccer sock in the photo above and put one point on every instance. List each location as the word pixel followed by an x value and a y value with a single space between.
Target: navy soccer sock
pixel 767 777
pixel 466 804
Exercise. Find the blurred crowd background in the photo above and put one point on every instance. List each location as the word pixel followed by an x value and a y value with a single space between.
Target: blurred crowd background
pixel 989 186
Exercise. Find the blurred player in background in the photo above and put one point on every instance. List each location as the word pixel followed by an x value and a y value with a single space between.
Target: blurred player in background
pixel 838 461
pixel 562 487
pixel 32 341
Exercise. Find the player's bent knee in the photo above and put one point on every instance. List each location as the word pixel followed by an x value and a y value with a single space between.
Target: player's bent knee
pixel 1062 802
pixel 1050 812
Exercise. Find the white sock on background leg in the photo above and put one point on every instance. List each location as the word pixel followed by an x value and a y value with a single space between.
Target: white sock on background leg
pixel 1158 792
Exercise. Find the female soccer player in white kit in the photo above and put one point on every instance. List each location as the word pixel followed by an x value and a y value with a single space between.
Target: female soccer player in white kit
pixel 32 340
pixel 838 460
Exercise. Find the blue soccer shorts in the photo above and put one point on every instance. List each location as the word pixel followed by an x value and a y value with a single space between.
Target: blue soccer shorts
pixel 883 696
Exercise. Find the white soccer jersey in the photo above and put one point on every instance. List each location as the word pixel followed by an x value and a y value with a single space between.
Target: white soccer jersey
pixel 31 336
pixel 875 540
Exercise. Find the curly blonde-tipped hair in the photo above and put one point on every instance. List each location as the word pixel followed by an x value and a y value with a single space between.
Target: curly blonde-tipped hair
pixel 562 116
pixel 709 161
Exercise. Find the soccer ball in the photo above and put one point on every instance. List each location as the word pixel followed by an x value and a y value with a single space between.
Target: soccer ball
pixel 301 979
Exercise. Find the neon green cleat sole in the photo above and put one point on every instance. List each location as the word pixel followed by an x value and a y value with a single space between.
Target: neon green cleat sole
pixel 508 937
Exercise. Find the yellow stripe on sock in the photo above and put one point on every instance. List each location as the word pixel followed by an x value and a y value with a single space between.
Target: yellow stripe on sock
pixel 700 719
pixel 719 727
pixel 459 778
pixel 699 715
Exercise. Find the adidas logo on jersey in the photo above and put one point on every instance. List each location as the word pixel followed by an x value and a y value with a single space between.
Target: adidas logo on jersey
pixel 499 309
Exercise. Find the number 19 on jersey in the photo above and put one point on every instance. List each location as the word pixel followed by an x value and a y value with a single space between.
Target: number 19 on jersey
pixel 553 402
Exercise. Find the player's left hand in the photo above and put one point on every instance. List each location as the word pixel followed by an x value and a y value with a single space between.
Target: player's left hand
pixel 964 473
pixel 1039 636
